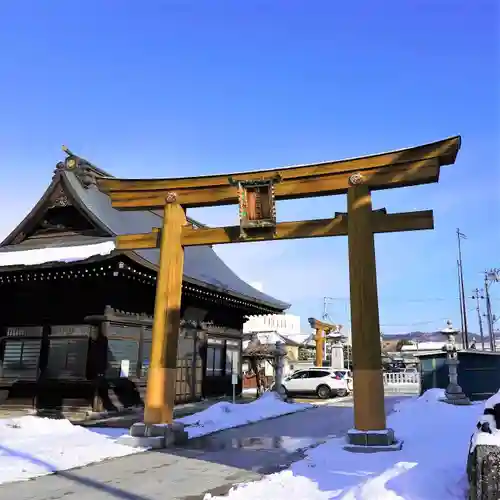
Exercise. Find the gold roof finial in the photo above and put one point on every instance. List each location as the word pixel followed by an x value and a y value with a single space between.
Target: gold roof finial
pixel 67 151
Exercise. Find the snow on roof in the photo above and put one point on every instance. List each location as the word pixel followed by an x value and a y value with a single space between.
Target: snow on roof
pixel 70 253
pixel 424 346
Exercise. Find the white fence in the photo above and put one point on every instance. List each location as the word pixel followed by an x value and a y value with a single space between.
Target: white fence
pixel 402 382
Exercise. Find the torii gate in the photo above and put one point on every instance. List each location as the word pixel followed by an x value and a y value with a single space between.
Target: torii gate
pixel 256 192
pixel 320 328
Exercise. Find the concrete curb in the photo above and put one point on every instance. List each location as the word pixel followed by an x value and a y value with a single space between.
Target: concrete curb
pixel 332 402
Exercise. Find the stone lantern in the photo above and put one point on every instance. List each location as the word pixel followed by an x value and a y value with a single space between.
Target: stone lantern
pixel 279 363
pixel 453 394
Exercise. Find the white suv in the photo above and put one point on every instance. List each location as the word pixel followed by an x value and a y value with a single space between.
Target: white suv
pixel 323 382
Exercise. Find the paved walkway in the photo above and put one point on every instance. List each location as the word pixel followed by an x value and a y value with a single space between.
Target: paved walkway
pixel 126 419
pixel 212 463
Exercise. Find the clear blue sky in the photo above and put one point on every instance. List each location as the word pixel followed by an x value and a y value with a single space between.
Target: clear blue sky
pixel 174 88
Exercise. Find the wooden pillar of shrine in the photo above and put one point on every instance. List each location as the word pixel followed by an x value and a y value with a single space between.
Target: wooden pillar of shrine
pixel 162 373
pixel 319 347
pixel 369 411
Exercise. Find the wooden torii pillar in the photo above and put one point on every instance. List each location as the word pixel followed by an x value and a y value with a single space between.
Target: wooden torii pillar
pixel 321 330
pixel 256 193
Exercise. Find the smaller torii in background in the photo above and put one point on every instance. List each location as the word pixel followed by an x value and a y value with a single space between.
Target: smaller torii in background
pixel 322 330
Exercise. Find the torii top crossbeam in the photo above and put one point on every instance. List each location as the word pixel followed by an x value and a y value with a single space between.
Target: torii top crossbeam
pixel 404 167
pixel 321 325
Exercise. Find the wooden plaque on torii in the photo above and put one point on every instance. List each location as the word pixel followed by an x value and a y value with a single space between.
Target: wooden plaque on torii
pixel 256 194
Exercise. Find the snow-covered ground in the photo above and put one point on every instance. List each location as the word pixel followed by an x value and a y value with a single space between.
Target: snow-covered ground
pixel 227 415
pixel 32 446
pixel 431 465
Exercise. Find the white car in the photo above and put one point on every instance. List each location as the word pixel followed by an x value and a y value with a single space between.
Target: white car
pixel 411 370
pixel 324 382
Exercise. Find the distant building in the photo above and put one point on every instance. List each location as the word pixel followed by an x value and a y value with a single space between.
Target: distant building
pixel 284 324
pixel 285 328
pixel 272 328
pixel 416 347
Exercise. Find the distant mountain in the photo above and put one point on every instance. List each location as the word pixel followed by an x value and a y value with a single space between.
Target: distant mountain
pixel 427 336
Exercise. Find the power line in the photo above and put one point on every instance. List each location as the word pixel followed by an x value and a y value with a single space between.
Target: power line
pixel 399 299
pixel 417 323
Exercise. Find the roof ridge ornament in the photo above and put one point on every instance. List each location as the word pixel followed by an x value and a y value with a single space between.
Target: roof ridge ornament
pixel 82 168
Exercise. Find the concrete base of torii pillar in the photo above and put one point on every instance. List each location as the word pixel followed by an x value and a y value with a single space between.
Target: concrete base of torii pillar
pixel 372 441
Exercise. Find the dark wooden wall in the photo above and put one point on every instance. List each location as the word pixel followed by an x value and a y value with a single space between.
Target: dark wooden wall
pixel 39 300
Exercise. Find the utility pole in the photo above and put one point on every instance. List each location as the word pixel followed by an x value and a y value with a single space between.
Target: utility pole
pixel 491 276
pixel 488 315
pixel 478 294
pixel 461 306
pixel 461 236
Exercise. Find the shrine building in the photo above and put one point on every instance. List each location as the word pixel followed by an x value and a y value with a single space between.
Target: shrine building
pixel 76 314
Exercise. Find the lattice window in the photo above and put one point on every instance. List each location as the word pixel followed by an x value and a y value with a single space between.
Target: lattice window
pixel 21 358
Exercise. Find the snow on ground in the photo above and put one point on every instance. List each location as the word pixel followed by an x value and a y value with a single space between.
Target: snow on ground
pixel 431 465
pixel 227 415
pixel 33 446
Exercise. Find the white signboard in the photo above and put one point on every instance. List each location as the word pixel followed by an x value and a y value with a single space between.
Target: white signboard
pixel 337 354
pixel 124 368
pixel 234 379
